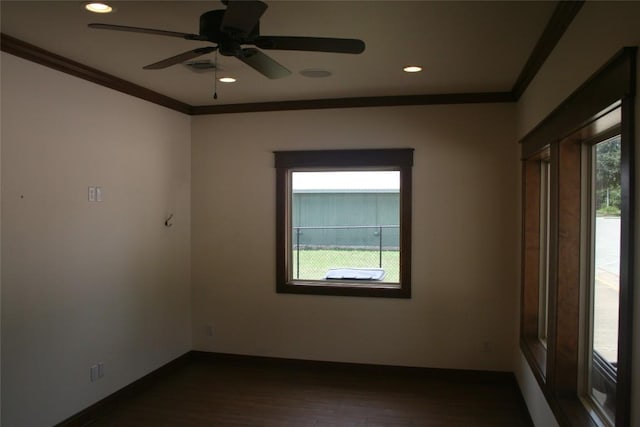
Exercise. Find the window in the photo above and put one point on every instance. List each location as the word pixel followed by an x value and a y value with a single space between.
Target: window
pixel 543 275
pixel 603 302
pixel 344 222
pixel 535 277
pixel 582 241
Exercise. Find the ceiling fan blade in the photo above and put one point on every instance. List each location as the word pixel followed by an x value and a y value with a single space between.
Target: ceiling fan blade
pixel 262 63
pixel 314 44
pixel 146 31
pixel 180 58
pixel 242 16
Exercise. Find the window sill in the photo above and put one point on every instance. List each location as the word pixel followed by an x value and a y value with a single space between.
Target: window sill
pixel 536 355
pixel 344 288
pixel 573 413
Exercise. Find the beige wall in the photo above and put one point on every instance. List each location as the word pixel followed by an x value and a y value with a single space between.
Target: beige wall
pixel 598 32
pixel 464 251
pixel 0 257
pixel 84 282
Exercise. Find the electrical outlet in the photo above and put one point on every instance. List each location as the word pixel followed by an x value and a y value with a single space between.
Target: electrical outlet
pixel 93 373
pixel 96 372
pixel 209 330
pixel 487 347
pixel 92 194
pixel 98 194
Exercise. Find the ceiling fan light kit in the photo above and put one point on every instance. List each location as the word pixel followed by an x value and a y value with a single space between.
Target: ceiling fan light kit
pixel 97 7
pixel 412 69
pixel 231 29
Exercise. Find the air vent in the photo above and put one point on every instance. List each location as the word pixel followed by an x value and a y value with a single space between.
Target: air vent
pixel 315 73
pixel 201 66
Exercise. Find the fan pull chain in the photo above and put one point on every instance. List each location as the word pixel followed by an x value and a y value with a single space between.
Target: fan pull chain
pixel 215 78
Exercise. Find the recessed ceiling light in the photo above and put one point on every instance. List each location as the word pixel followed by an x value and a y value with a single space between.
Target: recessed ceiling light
pixel 412 69
pixel 227 79
pixel 98 7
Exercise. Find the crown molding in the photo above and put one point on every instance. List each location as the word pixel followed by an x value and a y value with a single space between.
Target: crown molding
pixel 33 53
pixel 373 101
pixel 38 55
pixel 560 20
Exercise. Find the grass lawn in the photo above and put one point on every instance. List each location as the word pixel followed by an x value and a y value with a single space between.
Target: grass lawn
pixel 314 263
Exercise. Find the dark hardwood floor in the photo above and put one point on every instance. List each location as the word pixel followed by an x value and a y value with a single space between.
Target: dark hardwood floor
pixel 237 391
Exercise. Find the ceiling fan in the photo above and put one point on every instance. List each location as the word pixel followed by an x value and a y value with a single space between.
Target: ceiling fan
pixel 238 25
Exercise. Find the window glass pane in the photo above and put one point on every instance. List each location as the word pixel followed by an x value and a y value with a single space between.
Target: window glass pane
pixel 345 225
pixel 605 276
pixel 543 286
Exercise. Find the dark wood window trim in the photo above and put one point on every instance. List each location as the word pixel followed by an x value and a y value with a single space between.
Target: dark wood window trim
pixel 610 84
pixel 565 131
pixel 399 159
pixel 628 177
pixel 532 223
pixel 565 251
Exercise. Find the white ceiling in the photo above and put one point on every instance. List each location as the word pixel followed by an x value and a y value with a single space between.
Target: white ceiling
pixel 464 47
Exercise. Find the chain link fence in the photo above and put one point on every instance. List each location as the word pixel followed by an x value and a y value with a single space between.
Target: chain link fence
pixel 316 250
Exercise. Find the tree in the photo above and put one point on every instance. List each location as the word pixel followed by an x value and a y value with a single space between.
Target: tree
pixel 607 166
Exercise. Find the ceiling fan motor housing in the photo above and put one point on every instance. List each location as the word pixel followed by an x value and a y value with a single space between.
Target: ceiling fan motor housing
pixel 236 26
pixel 210 27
